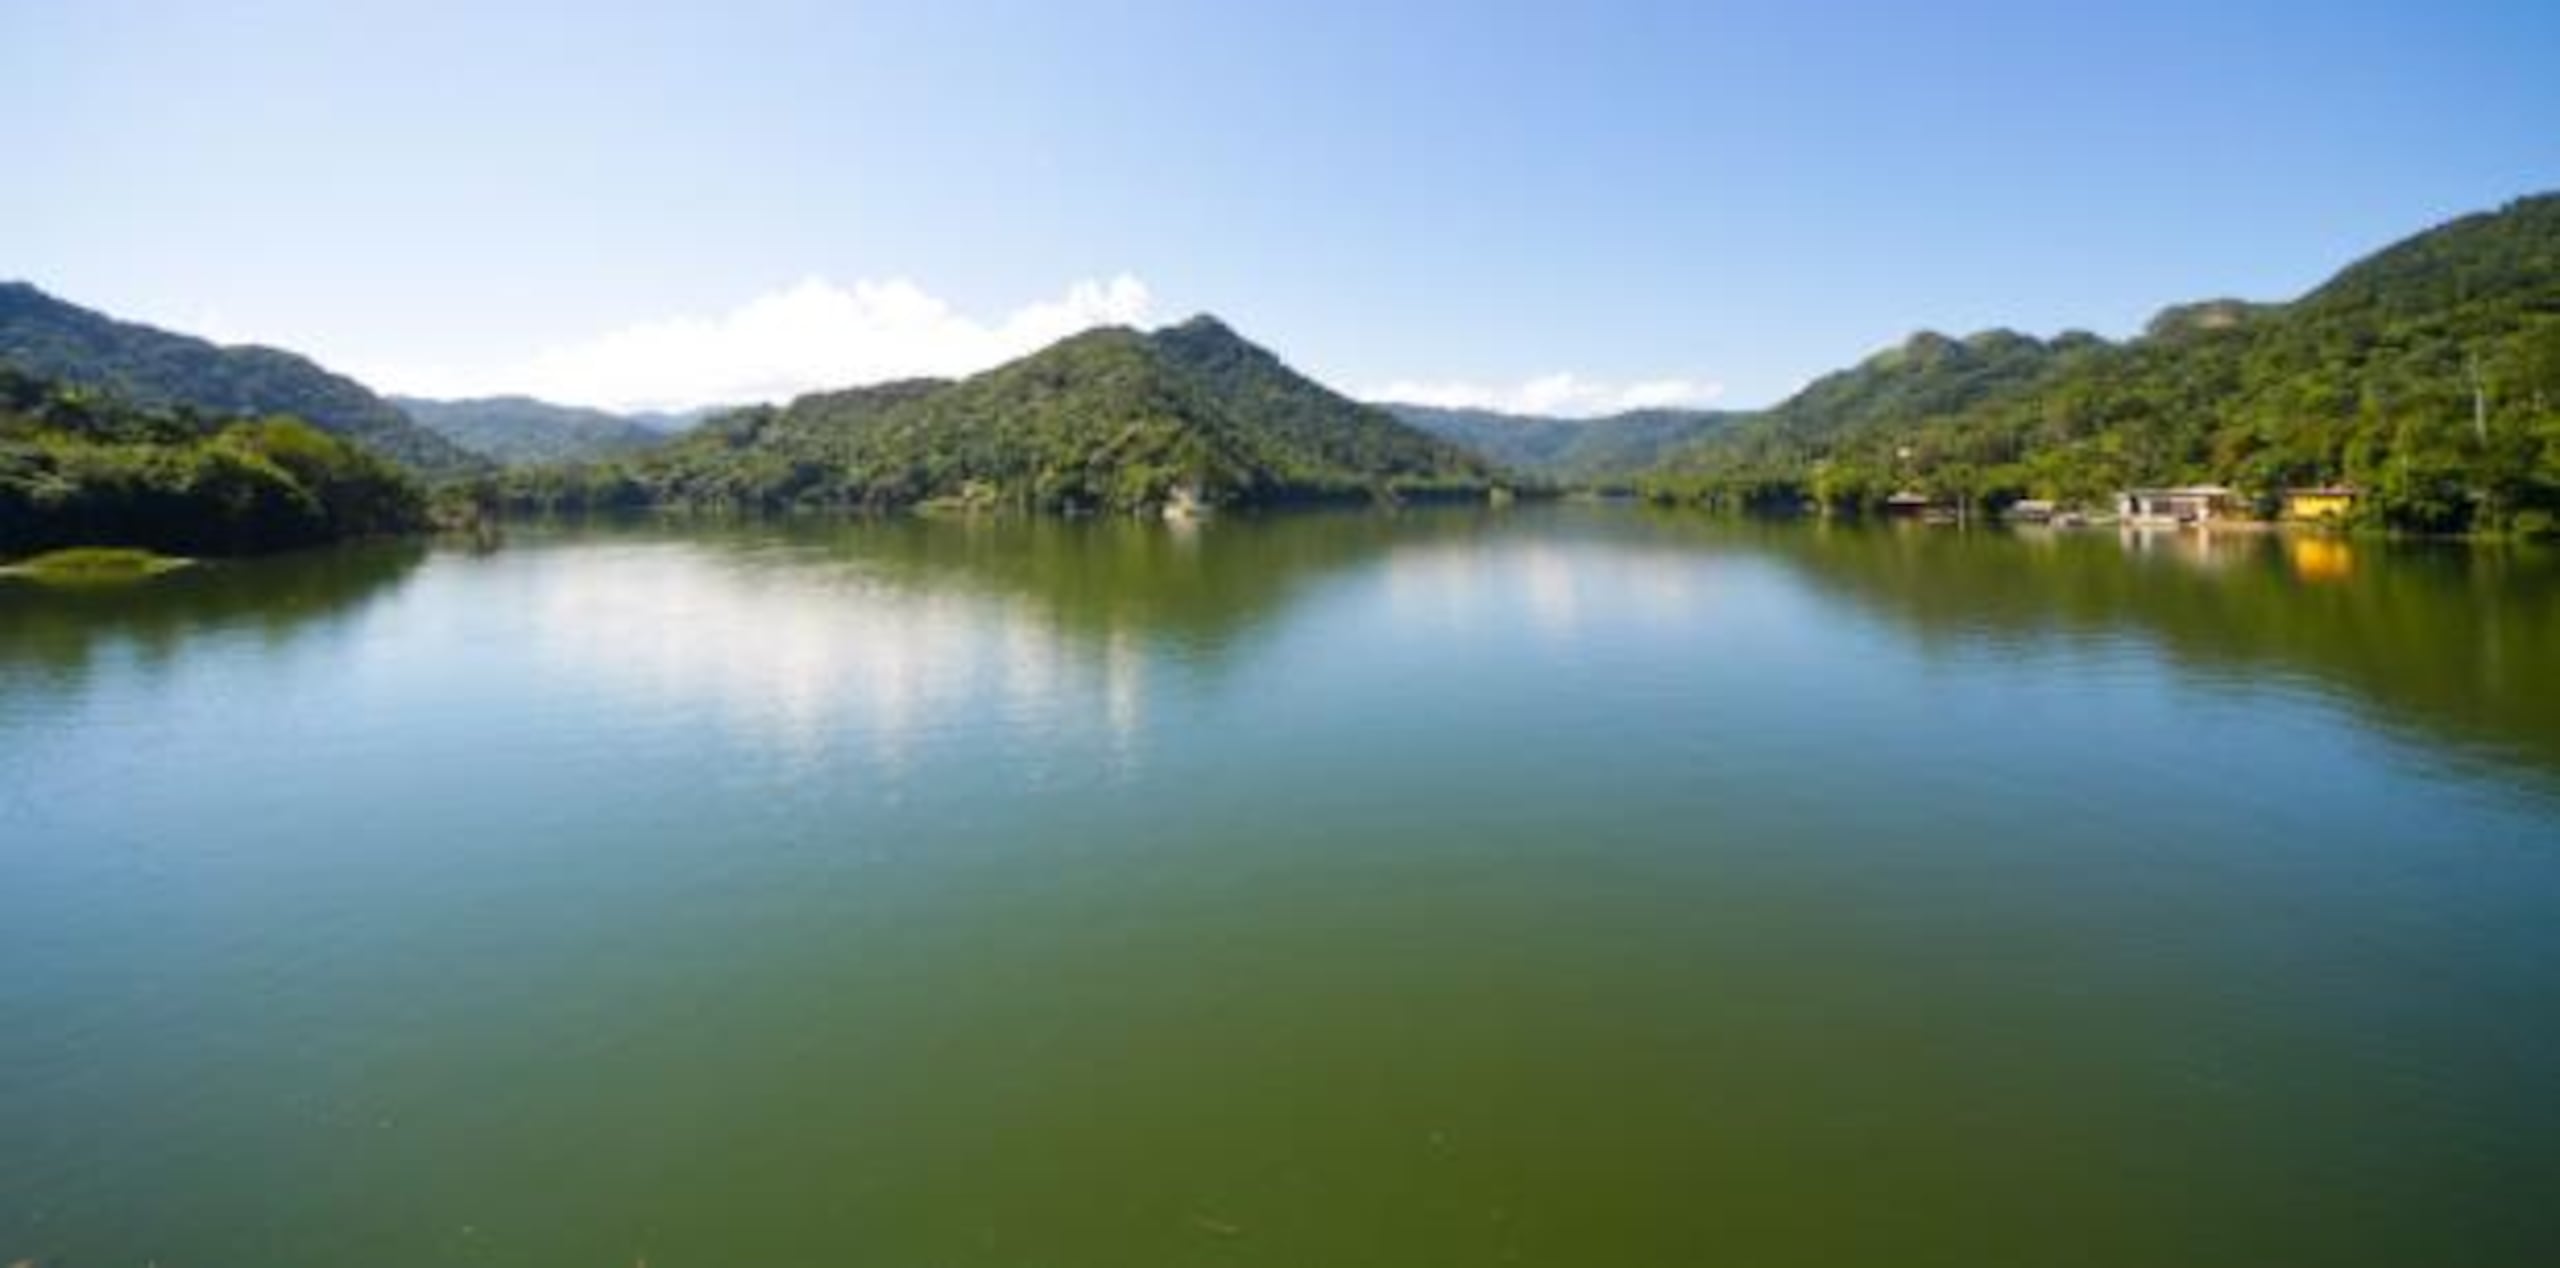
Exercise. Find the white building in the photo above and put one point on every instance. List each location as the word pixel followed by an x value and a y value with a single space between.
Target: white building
pixel 2190 504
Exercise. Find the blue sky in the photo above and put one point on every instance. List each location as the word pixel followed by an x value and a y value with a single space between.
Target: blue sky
pixel 636 204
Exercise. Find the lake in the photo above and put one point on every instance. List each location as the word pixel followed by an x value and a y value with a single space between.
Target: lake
pixel 1559 885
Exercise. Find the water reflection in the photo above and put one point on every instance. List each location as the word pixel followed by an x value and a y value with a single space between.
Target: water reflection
pixel 2321 558
pixel 1554 580
pixel 51 635
pixel 795 650
pixel 804 634
pixel 2455 644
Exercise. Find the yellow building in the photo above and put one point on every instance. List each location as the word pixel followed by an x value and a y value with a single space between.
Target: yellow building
pixel 2319 504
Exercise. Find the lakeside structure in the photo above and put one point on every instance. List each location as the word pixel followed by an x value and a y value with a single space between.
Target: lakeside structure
pixel 2332 502
pixel 2182 505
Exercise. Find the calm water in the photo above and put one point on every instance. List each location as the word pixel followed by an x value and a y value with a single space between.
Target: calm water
pixel 1564 886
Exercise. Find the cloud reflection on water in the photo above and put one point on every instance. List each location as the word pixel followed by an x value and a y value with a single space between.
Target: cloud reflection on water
pixel 806 654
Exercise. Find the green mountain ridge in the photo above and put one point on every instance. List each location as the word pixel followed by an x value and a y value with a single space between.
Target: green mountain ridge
pixel 1109 419
pixel 1612 450
pixel 669 422
pixel 155 368
pixel 2426 374
pixel 518 431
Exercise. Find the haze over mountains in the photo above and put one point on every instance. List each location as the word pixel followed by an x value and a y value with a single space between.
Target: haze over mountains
pixel 1610 450
pixel 518 431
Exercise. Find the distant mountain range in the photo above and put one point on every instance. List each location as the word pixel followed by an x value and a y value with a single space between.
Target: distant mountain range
pixel 668 422
pixel 1608 451
pixel 1110 419
pixel 519 431
pixel 2427 376
pixel 150 367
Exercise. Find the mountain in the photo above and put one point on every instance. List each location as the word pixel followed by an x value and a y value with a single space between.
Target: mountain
pixel 1929 374
pixel 1110 419
pixel 82 467
pixel 45 336
pixel 1321 438
pixel 519 431
pixel 2427 375
pixel 1611 450
pixel 669 422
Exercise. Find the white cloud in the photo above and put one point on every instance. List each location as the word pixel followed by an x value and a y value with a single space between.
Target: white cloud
pixel 802 338
pixel 1563 394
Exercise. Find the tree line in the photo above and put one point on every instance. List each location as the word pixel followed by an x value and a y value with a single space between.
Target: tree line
pixel 2427 377
pixel 82 467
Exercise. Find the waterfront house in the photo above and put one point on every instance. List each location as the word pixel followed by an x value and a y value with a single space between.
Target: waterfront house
pixel 2333 502
pixel 2186 504
pixel 1183 502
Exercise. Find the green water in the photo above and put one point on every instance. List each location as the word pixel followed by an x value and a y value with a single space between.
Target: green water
pixel 1562 886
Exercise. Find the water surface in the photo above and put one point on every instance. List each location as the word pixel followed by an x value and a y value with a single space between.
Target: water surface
pixel 1565 885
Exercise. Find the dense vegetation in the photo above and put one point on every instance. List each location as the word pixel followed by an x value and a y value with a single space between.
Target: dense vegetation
pixel 1609 452
pixel 519 431
pixel 155 368
pixel 668 422
pixel 2427 375
pixel 1313 438
pixel 1106 420
pixel 80 467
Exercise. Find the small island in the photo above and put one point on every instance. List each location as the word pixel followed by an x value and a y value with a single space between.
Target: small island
pixel 88 565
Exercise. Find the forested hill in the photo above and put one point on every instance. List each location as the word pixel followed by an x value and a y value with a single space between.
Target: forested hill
pixel 1318 438
pixel 1611 450
pixel 2427 374
pixel 151 367
pixel 1111 419
pixel 81 467
pixel 1926 376
pixel 1767 457
pixel 520 431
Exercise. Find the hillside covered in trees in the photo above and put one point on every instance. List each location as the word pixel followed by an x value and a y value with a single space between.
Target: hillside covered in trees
pixel 80 467
pixel 2427 375
pixel 1606 452
pixel 150 367
pixel 519 431
pixel 1110 419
